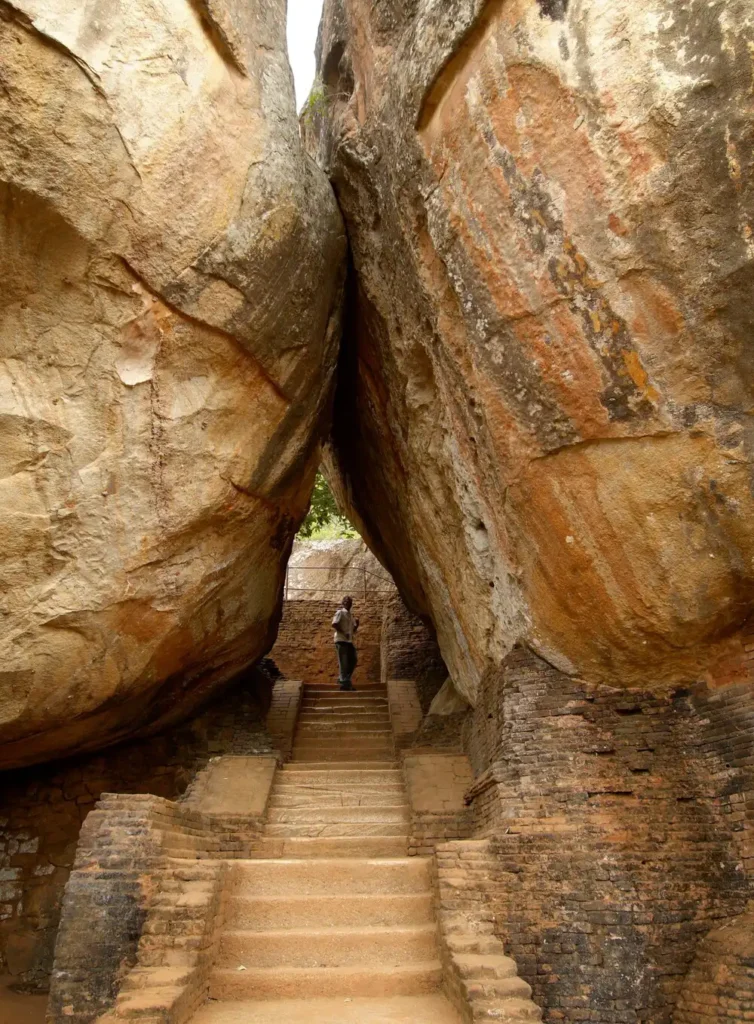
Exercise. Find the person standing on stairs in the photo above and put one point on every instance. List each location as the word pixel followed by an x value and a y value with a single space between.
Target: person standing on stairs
pixel 345 626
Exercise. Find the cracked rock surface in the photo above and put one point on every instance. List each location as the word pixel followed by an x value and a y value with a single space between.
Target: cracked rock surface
pixel 171 265
pixel 544 422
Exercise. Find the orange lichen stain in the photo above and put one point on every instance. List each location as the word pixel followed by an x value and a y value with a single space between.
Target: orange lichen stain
pixel 617 226
pixel 639 375
pixel 567 366
pixel 596 322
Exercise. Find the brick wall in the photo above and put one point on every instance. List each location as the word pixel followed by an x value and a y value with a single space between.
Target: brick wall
pixel 305 650
pixel 410 651
pixel 136 864
pixel 617 838
pixel 42 810
pixel 405 711
pixel 720 730
pixel 479 979
pixel 283 714
pixel 720 985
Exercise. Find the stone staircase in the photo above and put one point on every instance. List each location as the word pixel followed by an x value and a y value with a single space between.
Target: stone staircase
pixel 332 923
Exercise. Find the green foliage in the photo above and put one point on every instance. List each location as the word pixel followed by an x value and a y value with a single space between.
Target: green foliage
pixel 316 104
pixel 324 521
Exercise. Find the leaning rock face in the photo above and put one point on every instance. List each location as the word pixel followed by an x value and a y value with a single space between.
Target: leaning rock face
pixel 170 265
pixel 547 419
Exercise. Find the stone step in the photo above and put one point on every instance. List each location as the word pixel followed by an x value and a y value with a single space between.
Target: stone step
pixel 304 774
pixel 341 911
pixel 293 797
pixel 508 1011
pixel 474 965
pixel 352 739
pixel 334 877
pixel 485 945
pixel 350 744
pixel 335 756
pixel 330 728
pixel 344 704
pixel 344 700
pixel 351 747
pixel 295 847
pixel 320 815
pixel 160 977
pixel 334 717
pixel 334 688
pixel 501 989
pixel 332 759
pixel 313 982
pixel 344 737
pixel 428 1009
pixel 364 947
pixel 311 767
pixel 149 1003
pixel 337 829
pixel 346 714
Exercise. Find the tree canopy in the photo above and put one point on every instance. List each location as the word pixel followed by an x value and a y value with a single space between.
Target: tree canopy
pixel 324 519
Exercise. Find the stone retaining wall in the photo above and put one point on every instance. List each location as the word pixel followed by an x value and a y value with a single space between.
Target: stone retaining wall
pixel 42 810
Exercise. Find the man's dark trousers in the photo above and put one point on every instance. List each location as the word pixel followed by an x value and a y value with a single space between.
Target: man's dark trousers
pixel 347 660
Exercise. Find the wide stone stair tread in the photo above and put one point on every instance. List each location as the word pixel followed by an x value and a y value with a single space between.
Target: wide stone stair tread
pixel 328 713
pixel 338 753
pixel 313 744
pixel 353 733
pixel 325 848
pixel 329 947
pixel 355 704
pixel 338 830
pixel 308 772
pixel 368 751
pixel 331 876
pixel 430 1009
pixel 388 764
pixel 339 911
pixel 293 982
pixel 352 796
pixel 320 813
pixel 352 745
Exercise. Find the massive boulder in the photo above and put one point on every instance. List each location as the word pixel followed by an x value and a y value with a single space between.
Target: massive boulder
pixel 544 419
pixel 171 264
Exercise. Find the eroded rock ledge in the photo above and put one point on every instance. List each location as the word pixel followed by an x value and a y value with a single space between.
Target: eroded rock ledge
pixel 544 417
pixel 171 263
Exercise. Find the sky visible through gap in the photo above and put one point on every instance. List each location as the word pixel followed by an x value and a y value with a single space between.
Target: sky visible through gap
pixel 303 23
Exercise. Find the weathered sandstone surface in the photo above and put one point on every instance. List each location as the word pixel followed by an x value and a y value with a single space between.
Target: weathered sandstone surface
pixel 544 422
pixel 170 264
